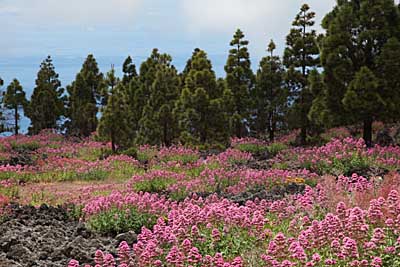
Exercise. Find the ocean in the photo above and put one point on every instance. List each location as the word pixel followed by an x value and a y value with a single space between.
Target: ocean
pixel 25 70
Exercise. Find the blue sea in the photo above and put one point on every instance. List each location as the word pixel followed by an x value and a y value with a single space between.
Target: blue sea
pixel 25 70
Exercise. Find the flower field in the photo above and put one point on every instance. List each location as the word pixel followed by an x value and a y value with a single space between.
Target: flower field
pixel 253 204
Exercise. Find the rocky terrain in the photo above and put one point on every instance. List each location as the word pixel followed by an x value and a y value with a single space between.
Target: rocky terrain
pixel 47 237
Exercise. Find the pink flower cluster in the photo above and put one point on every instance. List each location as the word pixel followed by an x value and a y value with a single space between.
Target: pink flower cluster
pixel 352 237
pixel 346 151
pixel 143 202
pixel 17 168
pixel 7 183
pixel 230 156
pixel 355 183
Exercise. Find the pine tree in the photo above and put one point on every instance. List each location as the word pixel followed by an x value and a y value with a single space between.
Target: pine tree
pixel 131 93
pixel 356 32
pixel 131 86
pixel 200 108
pixel 139 91
pixel 111 80
pixel 129 70
pixel 363 98
pixel 318 112
pixel 113 124
pixel 301 55
pixel 85 94
pixel 157 125
pixel 270 96
pixel 47 104
pixel 389 66
pixel 240 79
pixel 188 65
pixel 14 99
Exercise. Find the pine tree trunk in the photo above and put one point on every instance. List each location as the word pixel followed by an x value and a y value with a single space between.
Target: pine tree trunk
pixel 16 120
pixel 271 127
pixel 239 129
pixel 165 133
pixel 367 134
pixel 303 135
pixel 271 135
pixel 113 148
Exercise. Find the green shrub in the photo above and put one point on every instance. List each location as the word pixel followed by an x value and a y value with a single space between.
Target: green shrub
pixel 121 220
pixel 131 152
pixel 252 148
pixel 155 185
pixel 275 148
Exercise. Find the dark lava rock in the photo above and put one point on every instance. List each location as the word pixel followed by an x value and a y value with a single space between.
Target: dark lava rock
pixel 47 237
pixel 262 155
pixel 130 237
pixel 258 165
pixel 276 193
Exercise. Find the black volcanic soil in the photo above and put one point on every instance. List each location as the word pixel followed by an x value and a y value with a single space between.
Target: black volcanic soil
pixel 47 237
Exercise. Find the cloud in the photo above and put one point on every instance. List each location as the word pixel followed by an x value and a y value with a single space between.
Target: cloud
pixel 8 11
pixel 71 12
pixel 222 15
pixel 260 20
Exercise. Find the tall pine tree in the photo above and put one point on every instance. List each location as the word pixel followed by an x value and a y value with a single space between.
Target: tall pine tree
pixel 270 95
pixel 356 32
pixel 131 94
pixel 86 93
pixel 113 124
pixel 201 108
pixel 139 92
pixel 14 99
pixel 240 79
pixel 300 56
pixel 47 104
pixel 158 125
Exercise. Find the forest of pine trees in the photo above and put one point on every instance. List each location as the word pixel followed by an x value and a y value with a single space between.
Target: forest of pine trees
pixel 347 75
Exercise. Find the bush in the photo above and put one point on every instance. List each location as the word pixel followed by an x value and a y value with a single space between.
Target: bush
pixel 116 221
pixel 131 152
pixel 275 148
pixel 252 148
pixel 156 185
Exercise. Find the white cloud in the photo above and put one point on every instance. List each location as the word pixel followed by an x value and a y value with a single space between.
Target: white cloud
pixel 259 19
pixel 72 12
pixel 8 10
pixel 223 15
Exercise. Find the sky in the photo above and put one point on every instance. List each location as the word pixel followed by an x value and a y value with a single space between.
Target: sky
pixel 69 30
pixel 118 27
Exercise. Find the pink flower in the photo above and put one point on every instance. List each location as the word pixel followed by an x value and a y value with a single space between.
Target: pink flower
pixel 175 257
pixel 316 257
pixel 73 263
pixel 216 235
